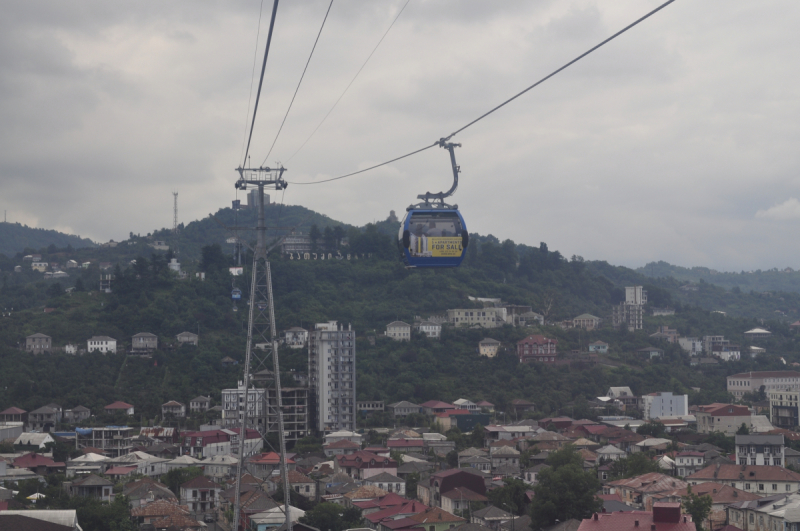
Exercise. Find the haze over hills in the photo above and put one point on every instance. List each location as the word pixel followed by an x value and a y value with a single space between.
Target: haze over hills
pixel 776 279
pixel 15 238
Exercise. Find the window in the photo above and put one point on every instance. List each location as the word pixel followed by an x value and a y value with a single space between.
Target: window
pixel 760 486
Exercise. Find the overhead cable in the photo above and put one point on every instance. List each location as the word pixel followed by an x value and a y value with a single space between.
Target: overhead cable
pixel 261 80
pixel 481 117
pixel 351 82
pixel 298 83
pixel 252 76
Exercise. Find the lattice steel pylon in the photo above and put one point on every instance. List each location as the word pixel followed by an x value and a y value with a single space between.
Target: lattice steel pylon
pixel 261 327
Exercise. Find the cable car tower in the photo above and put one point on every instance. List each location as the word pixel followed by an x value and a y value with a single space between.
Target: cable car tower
pixel 261 326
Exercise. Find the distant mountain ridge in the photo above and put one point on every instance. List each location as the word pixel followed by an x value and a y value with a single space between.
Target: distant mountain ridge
pixel 15 238
pixel 770 280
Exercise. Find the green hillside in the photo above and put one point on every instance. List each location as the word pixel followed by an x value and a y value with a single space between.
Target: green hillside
pixel 16 238
pixel 367 293
pixel 770 280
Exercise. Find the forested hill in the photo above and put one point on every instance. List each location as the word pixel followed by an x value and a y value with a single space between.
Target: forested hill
pixel 774 279
pixel 16 238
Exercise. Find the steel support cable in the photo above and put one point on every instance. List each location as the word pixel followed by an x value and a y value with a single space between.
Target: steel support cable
pixel 351 82
pixel 261 80
pixel 481 117
pixel 298 83
pixel 252 79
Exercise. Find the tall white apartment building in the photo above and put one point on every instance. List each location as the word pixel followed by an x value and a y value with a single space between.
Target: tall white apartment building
pixel 332 376
pixel 631 312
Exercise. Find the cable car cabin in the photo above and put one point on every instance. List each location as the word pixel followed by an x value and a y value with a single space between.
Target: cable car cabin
pixel 433 238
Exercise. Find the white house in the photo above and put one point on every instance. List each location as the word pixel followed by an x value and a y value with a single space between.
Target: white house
pixel 430 329
pixel 102 344
pixel 399 331
pixel 665 405
pixel 295 337
pixel 692 345
pixel 598 346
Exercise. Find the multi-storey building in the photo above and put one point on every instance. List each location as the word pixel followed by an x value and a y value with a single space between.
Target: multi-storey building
pixel 751 382
pixel 784 407
pixel 262 416
pixel 630 312
pixel 295 412
pixel 483 317
pixel 233 407
pixel 657 405
pixel 332 376
pixel 760 449
pixel 537 348
pixel 724 418
pixel 115 440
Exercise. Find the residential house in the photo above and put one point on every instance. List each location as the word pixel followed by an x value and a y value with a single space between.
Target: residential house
pixel 536 347
pixel 461 499
pixel 298 482
pixel 199 404
pixel 38 343
pixel 753 381
pixel 664 404
pixel 30 441
pixel 463 403
pixel 784 405
pixel 692 345
pixel 200 494
pixel 430 490
pixel 650 352
pixel 435 519
pixel 119 407
pixel 431 407
pixel 639 491
pixel 721 495
pixel 343 447
pixel 13 414
pixel 160 434
pixel 144 342
pixel 91 486
pixel 488 347
pixel 520 406
pixel 504 455
pixel 388 482
pixel 600 347
pixel 399 331
pixel 187 338
pixel 343 435
pixel 484 317
pixel 363 465
pixel 757 333
pixel 145 491
pixel 610 453
pixel 529 319
pixel 486 406
pixel 114 440
pixel 173 409
pixel 44 418
pixel 754 515
pixel 725 418
pixel 103 344
pixel 760 449
pixel 689 462
pixel 403 408
pixel 664 516
pixel 38 464
pixel 429 328
pixel 295 337
pixel 477 462
pixel 531 474
pixel 220 467
pixel 77 414
pixel 761 479
pixel 491 517
pixel 666 333
pixel 586 321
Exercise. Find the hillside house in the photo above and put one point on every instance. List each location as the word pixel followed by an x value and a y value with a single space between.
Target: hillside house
pixel 537 348
pixel 432 407
pixel 363 465
pixel 91 486
pixel 484 317
pixel 38 343
pixel 725 418
pixel 388 482
pixel 102 344
pixel 430 490
pixel 430 328
pixel 199 404
pixel 173 409
pixel 757 333
pixel 488 347
pixel 44 418
pixel 119 407
pixel 200 494
pixel 762 479
pixel 760 449
pixel 295 337
pixel 144 342
pixel 639 491
pixel 187 338
pixel 403 408
pixel 399 331
pixel 600 347
pixel 586 321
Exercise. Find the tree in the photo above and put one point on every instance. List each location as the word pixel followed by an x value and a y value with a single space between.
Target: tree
pixel 743 430
pixel 411 485
pixel 55 290
pixel 477 436
pixel 178 476
pixel 633 465
pixel 697 506
pixel 332 517
pixel 79 285
pixel 652 428
pixel 307 445
pixel 564 490
pixel 510 497
pixel 314 236
pixel 452 459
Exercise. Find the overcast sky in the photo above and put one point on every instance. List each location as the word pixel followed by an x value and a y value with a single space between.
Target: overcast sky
pixel 678 141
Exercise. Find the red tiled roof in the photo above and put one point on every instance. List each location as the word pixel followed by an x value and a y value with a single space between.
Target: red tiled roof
pixel 650 482
pixel 178 521
pixel 362 459
pixel 34 460
pixel 435 515
pixel 399 443
pixel 13 411
pixel 269 458
pixel 412 507
pixel 724 410
pixel 118 405
pixel 753 472
pixel 436 404
pixel 719 493
pixel 463 493
pixel 343 443
pixel 631 521
pixel 200 482
pixel 159 508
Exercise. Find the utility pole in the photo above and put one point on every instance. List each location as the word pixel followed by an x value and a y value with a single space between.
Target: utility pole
pixel 261 325
pixel 175 220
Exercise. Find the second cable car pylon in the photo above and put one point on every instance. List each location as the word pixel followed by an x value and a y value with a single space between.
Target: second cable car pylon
pixel 261 325
pixel 433 233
